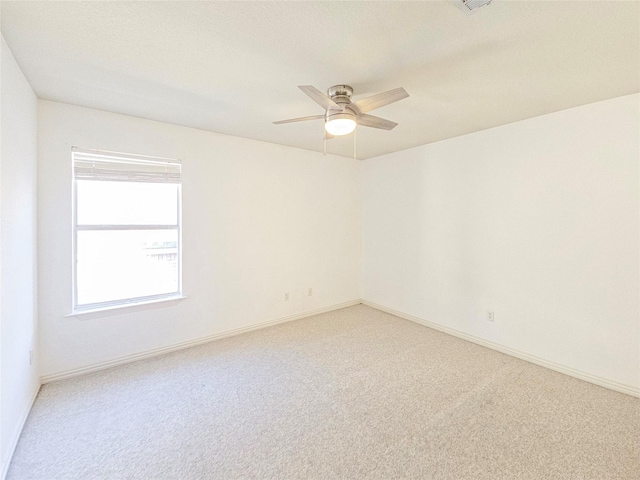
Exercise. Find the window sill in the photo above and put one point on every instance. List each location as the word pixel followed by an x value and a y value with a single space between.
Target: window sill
pixel 126 308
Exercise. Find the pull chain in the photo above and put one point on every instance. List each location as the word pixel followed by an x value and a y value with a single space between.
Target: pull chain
pixel 324 142
pixel 355 142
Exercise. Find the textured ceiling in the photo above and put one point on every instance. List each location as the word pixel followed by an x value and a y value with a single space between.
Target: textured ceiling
pixel 233 67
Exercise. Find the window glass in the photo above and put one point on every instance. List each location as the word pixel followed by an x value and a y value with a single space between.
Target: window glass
pixel 122 264
pixel 126 203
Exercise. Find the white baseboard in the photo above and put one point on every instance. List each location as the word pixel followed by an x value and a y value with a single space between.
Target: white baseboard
pixel 16 434
pixel 572 372
pixel 191 343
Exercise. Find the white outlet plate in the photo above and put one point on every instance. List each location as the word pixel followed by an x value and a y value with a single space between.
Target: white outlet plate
pixel 310 292
pixel 490 316
pixel 286 297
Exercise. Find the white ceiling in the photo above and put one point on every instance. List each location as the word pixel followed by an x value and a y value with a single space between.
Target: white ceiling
pixel 234 67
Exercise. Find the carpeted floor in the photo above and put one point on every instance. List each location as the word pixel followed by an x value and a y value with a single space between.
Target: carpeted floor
pixel 351 394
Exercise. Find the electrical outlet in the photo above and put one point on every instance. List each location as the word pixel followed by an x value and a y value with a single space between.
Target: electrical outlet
pixel 310 292
pixel 490 316
pixel 286 297
pixel 30 357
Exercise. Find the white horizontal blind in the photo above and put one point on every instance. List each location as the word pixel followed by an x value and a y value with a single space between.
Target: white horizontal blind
pixel 122 167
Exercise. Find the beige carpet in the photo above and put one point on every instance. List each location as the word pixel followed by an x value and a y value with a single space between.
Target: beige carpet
pixel 351 394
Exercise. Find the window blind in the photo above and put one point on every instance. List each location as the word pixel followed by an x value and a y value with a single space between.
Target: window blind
pixel 119 167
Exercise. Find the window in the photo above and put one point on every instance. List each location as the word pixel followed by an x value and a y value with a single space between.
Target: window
pixel 126 229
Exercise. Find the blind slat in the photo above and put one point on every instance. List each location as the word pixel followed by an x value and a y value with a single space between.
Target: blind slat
pixel 124 168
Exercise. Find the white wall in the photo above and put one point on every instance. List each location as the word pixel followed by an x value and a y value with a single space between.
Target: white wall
pixel 259 220
pixel 18 279
pixel 536 220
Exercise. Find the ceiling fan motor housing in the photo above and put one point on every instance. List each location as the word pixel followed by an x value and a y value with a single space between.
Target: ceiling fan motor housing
pixel 340 94
pixel 340 91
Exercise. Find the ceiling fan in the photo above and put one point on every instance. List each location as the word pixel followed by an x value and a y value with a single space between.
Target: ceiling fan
pixel 342 115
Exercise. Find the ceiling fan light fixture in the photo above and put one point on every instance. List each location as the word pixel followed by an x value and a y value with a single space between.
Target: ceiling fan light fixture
pixel 342 116
pixel 340 124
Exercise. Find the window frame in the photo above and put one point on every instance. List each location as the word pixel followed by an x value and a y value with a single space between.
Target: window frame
pixel 131 301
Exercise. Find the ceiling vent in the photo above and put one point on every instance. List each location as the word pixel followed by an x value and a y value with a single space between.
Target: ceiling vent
pixel 474 4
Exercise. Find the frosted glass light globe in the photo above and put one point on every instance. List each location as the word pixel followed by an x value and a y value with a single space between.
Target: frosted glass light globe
pixel 340 126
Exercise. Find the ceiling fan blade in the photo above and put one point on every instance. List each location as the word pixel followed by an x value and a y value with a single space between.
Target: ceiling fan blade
pixel 301 119
pixel 319 97
pixel 375 122
pixel 380 100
